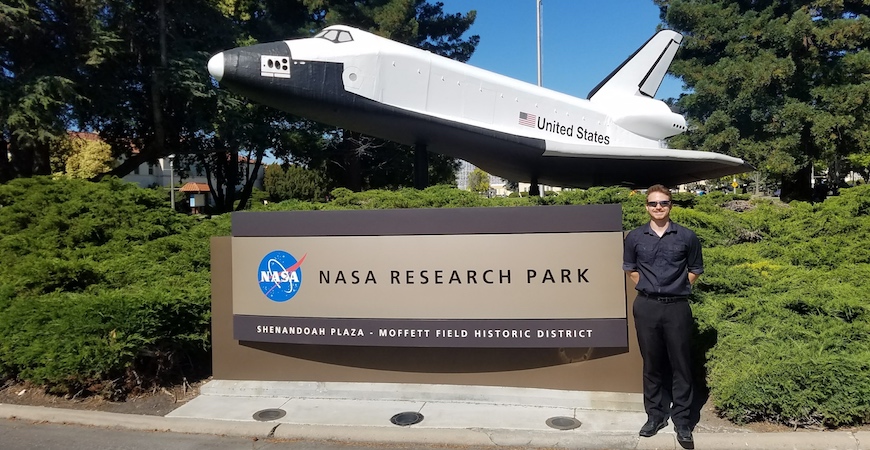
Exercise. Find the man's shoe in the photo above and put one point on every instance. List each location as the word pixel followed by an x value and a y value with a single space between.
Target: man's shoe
pixel 684 435
pixel 652 426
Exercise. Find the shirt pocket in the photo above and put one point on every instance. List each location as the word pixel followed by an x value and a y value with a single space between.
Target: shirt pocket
pixel 646 253
pixel 676 253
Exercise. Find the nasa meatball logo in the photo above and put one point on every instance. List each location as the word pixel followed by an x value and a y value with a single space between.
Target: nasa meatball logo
pixel 280 275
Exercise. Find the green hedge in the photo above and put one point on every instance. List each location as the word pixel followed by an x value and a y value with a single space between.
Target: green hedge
pixel 104 289
pixel 791 314
pixel 107 342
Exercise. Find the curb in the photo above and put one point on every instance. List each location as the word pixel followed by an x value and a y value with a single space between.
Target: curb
pixel 40 414
pixel 821 440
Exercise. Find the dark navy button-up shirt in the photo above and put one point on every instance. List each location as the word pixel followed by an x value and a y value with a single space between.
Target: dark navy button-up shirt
pixel 663 262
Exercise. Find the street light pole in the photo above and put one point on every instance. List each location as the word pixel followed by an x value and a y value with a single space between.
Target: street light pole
pixel 171 182
pixel 540 56
pixel 538 7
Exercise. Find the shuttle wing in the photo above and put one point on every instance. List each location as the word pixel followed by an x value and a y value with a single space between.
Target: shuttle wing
pixel 642 167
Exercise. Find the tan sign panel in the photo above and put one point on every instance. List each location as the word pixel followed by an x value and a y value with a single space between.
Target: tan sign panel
pixel 499 290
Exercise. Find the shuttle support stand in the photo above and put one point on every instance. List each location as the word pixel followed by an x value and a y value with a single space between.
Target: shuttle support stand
pixel 421 167
pixel 534 189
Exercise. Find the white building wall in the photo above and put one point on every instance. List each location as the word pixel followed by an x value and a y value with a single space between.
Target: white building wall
pixel 148 175
pixel 525 187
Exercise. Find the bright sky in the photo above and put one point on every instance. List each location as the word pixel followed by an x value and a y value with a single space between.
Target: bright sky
pixel 583 40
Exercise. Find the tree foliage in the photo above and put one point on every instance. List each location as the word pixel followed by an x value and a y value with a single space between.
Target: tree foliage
pixel 81 155
pixel 155 96
pixel 45 44
pixel 134 72
pixel 478 181
pixel 294 182
pixel 781 84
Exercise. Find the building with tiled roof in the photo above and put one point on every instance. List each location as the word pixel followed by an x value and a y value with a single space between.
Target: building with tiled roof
pixel 198 195
pixel 192 187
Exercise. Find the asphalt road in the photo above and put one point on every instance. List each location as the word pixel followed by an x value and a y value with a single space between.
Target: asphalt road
pixel 25 435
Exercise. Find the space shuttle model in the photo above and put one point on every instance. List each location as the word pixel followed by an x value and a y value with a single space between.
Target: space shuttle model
pixel 519 131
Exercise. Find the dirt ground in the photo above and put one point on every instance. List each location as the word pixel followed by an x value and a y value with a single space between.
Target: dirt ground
pixel 711 422
pixel 160 402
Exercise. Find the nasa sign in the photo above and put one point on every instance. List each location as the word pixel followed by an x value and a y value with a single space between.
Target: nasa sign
pixel 538 277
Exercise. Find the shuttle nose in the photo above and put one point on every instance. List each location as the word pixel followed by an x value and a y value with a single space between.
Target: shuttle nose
pixel 216 66
pixel 252 71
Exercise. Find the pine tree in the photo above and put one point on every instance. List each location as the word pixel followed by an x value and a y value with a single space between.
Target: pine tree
pixel 782 84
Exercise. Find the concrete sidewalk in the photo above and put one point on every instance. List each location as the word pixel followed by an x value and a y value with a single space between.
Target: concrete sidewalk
pixel 451 415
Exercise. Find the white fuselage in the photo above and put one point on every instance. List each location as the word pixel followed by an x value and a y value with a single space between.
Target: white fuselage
pixel 356 80
pixel 419 81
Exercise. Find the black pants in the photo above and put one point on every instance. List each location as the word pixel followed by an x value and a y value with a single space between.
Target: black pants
pixel 663 334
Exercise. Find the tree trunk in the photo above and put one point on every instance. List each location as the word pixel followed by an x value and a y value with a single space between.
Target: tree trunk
pixel 208 177
pixel 232 174
pixel 797 186
pixel 22 159
pixel 42 159
pixel 250 179
pixel 352 165
pixel 5 165
pixel 216 187
pixel 157 84
pixel 124 168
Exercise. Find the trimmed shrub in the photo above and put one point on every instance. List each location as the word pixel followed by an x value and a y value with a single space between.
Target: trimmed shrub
pixel 112 342
pixel 104 289
pixel 790 314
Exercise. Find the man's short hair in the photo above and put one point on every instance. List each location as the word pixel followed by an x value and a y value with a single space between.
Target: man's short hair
pixel 659 188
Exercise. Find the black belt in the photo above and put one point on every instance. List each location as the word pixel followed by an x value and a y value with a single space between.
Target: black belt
pixel 663 298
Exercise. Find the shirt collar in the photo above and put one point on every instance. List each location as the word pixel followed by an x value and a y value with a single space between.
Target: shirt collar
pixel 672 228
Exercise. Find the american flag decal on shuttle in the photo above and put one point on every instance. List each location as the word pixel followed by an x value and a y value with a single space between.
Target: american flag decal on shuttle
pixel 527 119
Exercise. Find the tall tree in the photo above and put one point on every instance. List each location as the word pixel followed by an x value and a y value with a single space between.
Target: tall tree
pixel 153 90
pixel 134 71
pixel 233 136
pixel 781 84
pixel 45 44
pixel 156 97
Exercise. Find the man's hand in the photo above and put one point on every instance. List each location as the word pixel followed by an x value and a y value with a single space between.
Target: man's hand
pixel 635 276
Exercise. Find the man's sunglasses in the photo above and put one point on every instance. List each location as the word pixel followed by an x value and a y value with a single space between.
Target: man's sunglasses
pixel 663 204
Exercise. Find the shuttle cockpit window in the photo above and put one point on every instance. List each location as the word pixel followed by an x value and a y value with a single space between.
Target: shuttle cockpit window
pixel 336 36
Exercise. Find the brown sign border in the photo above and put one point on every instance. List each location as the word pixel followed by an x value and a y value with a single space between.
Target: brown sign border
pixel 432 221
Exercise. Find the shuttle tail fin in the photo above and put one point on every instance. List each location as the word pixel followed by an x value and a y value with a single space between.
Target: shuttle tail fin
pixel 642 73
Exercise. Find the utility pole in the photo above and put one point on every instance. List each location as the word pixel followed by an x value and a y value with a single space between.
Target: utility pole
pixel 540 57
pixel 535 189
pixel 171 182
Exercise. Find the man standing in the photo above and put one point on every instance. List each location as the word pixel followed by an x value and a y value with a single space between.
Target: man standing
pixel 664 260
